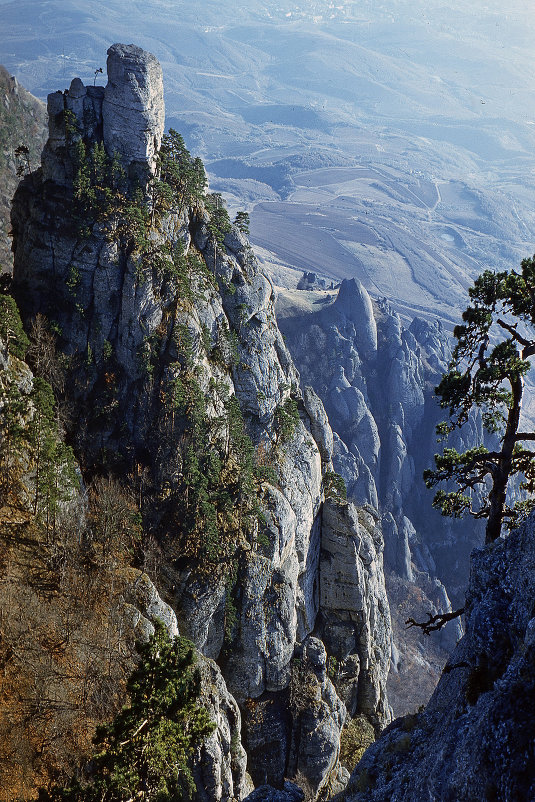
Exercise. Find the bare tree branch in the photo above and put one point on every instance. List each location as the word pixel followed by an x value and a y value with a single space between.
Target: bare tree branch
pixel 435 622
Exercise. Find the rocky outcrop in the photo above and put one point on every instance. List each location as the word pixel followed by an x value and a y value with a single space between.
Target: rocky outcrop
pixel 133 111
pixel 375 378
pixel 127 115
pixel 355 631
pixel 161 341
pixel 23 122
pixel 220 767
pixel 319 716
pixel 354 306
pixel 141 605
pixel 474 740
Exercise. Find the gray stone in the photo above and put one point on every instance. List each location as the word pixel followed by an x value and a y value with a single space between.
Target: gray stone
pixel 355 613
pixel 318 718
pixel 397 551
pixel 220 765
pixel 319 423
pixel 141 594
pixel 473 740
pixel 266 793
pixel 354 302
pixel 133 109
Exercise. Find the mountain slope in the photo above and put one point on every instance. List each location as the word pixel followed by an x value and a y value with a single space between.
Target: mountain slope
pixel 179 383
pixel 475 738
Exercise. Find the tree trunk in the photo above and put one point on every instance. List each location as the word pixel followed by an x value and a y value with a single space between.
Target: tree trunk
pixel 497 496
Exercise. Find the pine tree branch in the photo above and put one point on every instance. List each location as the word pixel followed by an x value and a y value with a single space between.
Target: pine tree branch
pixel 514 334
pixel 128 740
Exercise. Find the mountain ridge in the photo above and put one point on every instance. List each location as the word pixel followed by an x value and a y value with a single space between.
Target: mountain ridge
pixel 179 383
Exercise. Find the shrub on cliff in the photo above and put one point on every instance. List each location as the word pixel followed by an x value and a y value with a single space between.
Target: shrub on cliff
pixel 144 752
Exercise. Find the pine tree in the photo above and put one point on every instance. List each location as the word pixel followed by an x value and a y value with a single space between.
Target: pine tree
pixel 487 370
pixel 53 460
pixel 11 329
pixel 182 180
pixel 13 436
pixel 145 752
pixel 242 221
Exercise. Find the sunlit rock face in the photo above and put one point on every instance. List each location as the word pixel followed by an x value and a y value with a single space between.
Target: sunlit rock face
pixel 123 318
pixel 133 111
pixel 376 376
pixel 127 115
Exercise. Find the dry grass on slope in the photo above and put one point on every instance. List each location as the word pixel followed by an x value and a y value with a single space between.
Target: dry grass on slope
pixel 64 657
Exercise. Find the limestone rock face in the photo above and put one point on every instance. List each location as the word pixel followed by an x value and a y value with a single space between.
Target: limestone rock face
pixel 143 605
pixel 134 332
pixel 133 111
pixel 319 424
pixel 220 767
pixel 319 716
pixel 24 116
pixel 354 303
pixel 473 740
pixel 375 378
pixel 127 115
pixel 355 614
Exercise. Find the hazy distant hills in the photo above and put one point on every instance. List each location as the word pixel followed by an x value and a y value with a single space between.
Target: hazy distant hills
pixel 385 140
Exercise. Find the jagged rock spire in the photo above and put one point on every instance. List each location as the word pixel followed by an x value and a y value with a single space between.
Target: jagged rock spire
pixel 133 111
pixel 127 115
pixel 355 303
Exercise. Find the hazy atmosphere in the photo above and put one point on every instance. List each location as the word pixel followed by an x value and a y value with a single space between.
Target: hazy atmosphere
pixel 234 254
pixel 392 141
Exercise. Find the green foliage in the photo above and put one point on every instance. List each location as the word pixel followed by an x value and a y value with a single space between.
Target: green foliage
pixel 486 372
pixel 333 667
pixel 148 353
pixel 107 350
pixel 13 436
pixel 334 486
pixel 286 420
pixel 226 351
pixel 219 225
pixel 215 502
pixel 55 475
pixel 100 185
pixel 11 329
pixel 242 222
pixel 145 752
pixel 73 279
pixel 304 688
pixel 357 735
pixel 22 154
pixel 181 179
pixel 102 192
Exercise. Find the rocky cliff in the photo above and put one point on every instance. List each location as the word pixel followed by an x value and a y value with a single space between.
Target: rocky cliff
pixel 179 379
pixel 474 740
pixel 22 122
pixel 376 378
